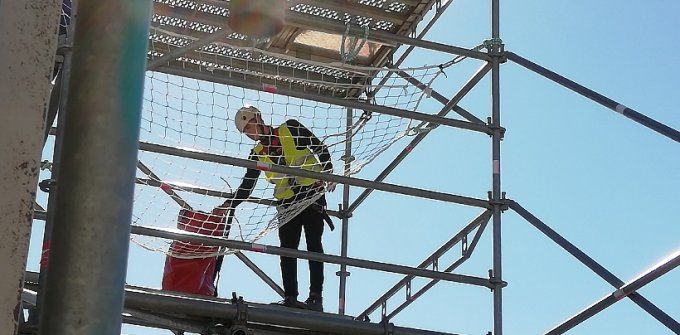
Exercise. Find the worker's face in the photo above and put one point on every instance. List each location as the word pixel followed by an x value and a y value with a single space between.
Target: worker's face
pixel 254 129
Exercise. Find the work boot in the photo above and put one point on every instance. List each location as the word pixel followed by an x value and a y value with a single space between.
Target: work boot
pixel 291 301
pixel 315 302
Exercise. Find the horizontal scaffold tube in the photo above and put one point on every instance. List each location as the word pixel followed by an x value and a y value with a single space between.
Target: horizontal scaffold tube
pixel 173 303
pixel 314 96
pixel 250 164
pixel 214 193
pixel 165 302
pixel 174 234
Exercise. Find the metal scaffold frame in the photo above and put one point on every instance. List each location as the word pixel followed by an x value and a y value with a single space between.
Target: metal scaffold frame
pixel 180 313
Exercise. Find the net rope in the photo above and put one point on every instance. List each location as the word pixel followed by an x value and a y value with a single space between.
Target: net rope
pixel 198 115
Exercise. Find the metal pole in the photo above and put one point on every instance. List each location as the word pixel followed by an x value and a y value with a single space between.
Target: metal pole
pixel 151 320
pixel 55 93
pixel 416 140
pixel 88 257
pixel 314 256
pixel 29 297
pixel 234 80
pixel 496 195
pixel 597 97
pixel 165 303
pixel 246 163
pixel 260 314
pixel 64 75
pixel 29 42
pixel 345 204
pixel 657 271
pixel 593 265
pixel 212 193
pixel 51 199
pixel 168 185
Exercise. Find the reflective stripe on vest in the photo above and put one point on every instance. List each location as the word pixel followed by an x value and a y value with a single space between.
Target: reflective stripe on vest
pixel 294 157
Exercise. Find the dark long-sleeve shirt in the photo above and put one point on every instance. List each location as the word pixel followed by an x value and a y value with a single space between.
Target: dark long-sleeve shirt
pixel 303 138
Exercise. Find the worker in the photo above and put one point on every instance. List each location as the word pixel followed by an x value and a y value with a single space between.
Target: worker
pixel 290 144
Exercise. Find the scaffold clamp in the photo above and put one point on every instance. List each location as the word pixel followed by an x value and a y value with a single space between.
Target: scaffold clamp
pixel 495 281
pixel 502 202
pixel 388 326
pixel 47 185
pixel 343 273
pixel 241 317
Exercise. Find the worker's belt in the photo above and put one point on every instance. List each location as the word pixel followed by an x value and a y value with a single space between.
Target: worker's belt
pixel 321 209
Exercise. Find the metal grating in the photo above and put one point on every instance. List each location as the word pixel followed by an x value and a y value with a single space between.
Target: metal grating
pixel 391 6
pixel 343 17
pixel 178 23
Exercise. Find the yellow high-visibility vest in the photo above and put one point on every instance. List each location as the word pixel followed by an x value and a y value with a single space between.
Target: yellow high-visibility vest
pixel 304 159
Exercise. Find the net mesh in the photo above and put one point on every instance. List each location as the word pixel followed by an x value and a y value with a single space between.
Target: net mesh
pixel 65 17
pixel 198 115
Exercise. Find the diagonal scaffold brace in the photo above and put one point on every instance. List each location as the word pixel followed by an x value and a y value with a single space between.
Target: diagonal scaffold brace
pixel 597 97
pixel 593 265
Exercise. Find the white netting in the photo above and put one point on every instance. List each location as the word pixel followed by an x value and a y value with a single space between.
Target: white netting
pixel 198 115
pixel 65 17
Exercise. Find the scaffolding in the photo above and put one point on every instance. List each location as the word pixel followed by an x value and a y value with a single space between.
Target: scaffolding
pixel 394 24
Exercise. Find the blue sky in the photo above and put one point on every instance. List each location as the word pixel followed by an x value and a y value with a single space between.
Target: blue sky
pixel 607 184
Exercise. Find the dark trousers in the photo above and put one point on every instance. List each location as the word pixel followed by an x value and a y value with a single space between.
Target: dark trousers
pixel 289 235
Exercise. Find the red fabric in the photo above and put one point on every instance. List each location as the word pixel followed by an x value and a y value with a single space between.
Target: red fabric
pixel 193 275
pixel 45 256
pixel 269 88
pixel 166 188
pixel 200 223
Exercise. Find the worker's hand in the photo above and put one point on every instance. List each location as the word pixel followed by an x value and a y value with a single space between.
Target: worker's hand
pixel 325 185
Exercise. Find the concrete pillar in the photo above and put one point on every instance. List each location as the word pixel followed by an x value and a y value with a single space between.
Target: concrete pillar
pixel 28 42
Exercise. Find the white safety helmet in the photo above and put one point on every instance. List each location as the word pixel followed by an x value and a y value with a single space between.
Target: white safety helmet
pixel 244 115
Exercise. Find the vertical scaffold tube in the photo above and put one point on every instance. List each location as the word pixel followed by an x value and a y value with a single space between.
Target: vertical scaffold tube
pixel 88 256
pixel 345 205
pixel 496 166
